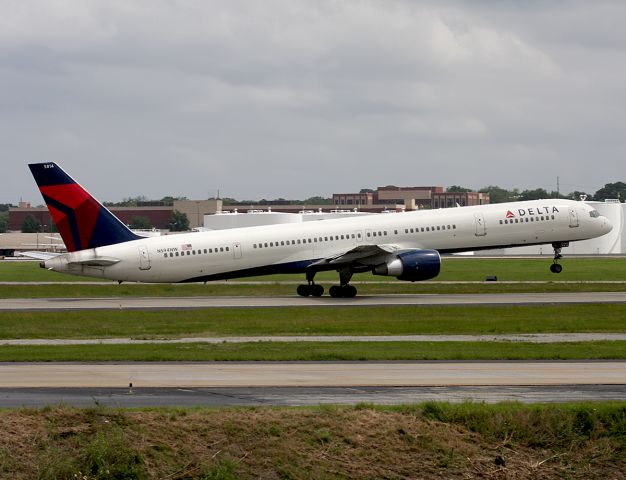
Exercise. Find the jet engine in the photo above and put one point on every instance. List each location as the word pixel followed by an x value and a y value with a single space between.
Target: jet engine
pixel 412 265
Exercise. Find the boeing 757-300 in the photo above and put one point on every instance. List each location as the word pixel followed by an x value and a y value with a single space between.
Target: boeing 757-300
pixel 403 245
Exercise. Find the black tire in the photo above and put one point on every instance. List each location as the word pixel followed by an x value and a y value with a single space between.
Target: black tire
pixel 303 290
pixel 349 291
pixel 317 290
pixel 556 268
pixel 335 291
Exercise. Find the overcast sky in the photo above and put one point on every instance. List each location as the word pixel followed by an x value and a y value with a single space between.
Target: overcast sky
pixel 288 98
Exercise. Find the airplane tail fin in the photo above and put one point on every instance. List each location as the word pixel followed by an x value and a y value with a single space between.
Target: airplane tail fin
pixel 82 221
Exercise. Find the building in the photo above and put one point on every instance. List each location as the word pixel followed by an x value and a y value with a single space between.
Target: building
pixel 157 213
pixel 409 198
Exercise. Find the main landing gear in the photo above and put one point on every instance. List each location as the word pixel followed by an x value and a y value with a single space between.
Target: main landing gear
pixel 310 289
pixel 343 290
pixel 556 267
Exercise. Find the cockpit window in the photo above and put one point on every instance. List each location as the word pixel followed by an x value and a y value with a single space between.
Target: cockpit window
pixel 594 214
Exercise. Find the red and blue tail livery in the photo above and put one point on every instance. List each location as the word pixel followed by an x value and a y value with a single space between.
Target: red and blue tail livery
pixel 81 220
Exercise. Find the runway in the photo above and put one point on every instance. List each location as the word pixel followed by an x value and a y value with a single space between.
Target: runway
pixel 307 383
pixel 302 396
pixel 164 303
pixel 311 374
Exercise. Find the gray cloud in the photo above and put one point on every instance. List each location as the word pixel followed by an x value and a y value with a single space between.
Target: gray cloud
pixel 292 98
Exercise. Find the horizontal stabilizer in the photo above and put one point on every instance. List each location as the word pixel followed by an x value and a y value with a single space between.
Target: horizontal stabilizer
pixel 40 255
pixel 97 262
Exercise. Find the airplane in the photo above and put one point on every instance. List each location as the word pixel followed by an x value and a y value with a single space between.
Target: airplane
pixel 405 245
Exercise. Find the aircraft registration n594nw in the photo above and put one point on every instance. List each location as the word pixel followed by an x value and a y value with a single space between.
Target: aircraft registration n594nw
pixel 404 245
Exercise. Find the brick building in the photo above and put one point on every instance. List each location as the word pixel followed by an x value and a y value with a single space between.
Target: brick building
pixel 410 198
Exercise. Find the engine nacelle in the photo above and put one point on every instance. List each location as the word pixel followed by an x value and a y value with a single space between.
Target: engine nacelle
pixel 412 266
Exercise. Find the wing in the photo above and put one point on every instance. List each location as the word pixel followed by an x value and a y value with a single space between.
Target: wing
pixel 361 257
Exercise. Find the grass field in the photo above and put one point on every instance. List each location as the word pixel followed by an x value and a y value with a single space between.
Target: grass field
pixel 427 441
pixel 316 351
pixel 326 321
pixel 397 320
pixel 400 320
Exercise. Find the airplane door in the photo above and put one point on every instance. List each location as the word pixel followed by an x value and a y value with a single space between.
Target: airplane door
pixel 479 222
pixel 573 217
pixel 237 250
pixel 144 258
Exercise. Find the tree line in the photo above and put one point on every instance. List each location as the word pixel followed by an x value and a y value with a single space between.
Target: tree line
pixel 500 195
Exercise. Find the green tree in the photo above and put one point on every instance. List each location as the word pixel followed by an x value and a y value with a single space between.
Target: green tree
pixel 31 225
pixel 178 222
pixel 500 195
pixel 4 222
pixel 318 201
pixel 611 190
pixel 575 195
pixel 169 200
pixel 139 222
pixel 456 188
pixel 536 194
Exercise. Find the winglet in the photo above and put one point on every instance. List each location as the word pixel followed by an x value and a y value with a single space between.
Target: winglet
pixel 82 221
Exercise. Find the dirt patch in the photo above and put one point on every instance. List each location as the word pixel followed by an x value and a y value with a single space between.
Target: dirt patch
pixel 325 442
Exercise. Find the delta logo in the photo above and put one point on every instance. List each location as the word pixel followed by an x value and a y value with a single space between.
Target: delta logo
pixel 521 212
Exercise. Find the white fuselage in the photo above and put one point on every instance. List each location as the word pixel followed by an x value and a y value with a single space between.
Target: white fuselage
pixel 289 248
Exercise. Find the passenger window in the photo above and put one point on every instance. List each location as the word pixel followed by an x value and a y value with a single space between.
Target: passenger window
pixel 188 253
pixel 165 255
pixel 282 243
pixel 228 249
pixel 428 229
pixel 171 254
pixel 177 254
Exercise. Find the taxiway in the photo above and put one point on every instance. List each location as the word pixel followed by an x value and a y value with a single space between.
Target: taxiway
pixel 163 303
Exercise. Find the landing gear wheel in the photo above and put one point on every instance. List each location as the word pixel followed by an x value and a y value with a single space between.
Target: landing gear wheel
pixel 304 290
pixel 342 291
pixel 556 268
pixel 317 290
pixel 335 291
pixel 349 291
pixel 557 246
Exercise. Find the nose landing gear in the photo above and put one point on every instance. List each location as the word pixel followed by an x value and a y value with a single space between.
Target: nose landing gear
pixel 556 267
